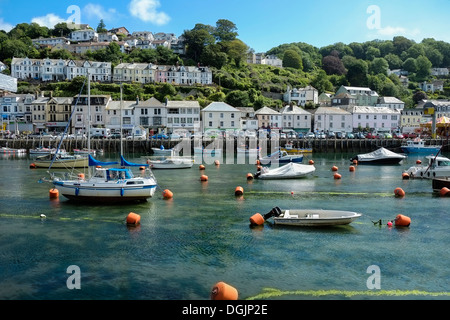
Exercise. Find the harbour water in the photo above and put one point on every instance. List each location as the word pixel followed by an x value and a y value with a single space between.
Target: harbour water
pixel 185 245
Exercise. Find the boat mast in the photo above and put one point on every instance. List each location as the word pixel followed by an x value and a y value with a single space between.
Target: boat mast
pixel 89 112
pixel 121 102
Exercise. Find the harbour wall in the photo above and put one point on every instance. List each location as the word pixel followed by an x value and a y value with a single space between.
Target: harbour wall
pixel 145 146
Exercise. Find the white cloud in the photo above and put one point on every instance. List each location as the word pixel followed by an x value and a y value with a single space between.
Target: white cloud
pixel 146 10
pixel 48 20
pixel 392 31
pixel 97 11
pixel 5 26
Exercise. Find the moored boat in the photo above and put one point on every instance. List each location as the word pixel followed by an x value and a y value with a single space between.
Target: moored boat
pixel 379 156
pixel 289 148
pixel 439 183
pixel 437 167
pixel 288 171
pixel 418 146
pixel 161 151
pixel 7 150
pixel 281 157
pixel 171 163
pixel 61 161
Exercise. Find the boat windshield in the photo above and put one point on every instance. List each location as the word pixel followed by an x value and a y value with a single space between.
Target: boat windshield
pixel 115 174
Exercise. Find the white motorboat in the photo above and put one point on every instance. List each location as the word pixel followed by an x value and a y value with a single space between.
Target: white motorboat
pixel 437 167
pixel 161 151
pixel 207 151
pixel 418 146
pixel 87 151
pixel 40 151
pixel 308 217
pixel 109 185
pixel 281 157
pixel 379 156
pixel 288 171
pixel 6 150
pixel 171 163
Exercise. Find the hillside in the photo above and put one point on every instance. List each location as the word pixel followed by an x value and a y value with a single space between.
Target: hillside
pixel 241 84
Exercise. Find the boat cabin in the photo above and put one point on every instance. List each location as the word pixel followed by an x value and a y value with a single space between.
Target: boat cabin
pixel 110 174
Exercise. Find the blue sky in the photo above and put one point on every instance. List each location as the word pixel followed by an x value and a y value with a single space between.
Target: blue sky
pixel 261 24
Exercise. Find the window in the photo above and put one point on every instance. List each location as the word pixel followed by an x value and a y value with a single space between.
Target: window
pixel 210 115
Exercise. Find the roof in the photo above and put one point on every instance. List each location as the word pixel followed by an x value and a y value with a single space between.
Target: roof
pixel 152 102
pixel 390 100
pixel 115 105
pixel 266 110
pixel 182 104
pixel 294 110
pixel 372 110
pixel 220 107
pixel 331 110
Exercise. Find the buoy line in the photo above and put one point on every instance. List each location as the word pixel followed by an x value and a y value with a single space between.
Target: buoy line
pixel 271 293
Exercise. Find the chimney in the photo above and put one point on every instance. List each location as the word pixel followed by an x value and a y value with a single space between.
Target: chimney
pixel 137 100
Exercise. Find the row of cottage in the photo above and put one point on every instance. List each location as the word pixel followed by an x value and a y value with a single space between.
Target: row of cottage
pixel 51 114
pixel 61 70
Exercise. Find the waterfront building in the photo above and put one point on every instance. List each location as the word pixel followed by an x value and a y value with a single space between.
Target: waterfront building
pixel 296 119
pixel 391 103
pixel 363 96
pixel 268 118
pixel 302 96
pixel 220 116
pixel 332 119
pixel 367 117
pixel 183 115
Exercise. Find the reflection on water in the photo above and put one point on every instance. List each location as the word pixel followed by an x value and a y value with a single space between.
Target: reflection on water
pixel 186 244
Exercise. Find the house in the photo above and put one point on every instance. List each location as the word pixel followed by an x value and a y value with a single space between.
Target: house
pixel 57 113
pixel 296 119
pixel 436 85
pixel 364 96
pixel 98 111
pixel 50 41
pixel 439 72
pixel 411 118
pixel 116 110
pixel 144 35
pixel 136 72
pixel 343 100
pixel 84 35
pixel 121 30
pixel 183 115
pixel 221 116
pixel 332 119
pixel 107 37
pixel 390 103
pixel 261 58
pixel 150 114
pixel 248 119
pixel 98 71
pixel 375 118
pixel 325 99
pixel 302 96
pixel 268 118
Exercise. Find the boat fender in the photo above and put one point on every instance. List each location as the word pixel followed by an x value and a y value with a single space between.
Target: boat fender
pixel 402 221
pixel 122 192
pixel 258 219
pixel 223 291
pixel 204 178
pixel 334 168
pixel 337 176
pixel 77 191
pixel 201 167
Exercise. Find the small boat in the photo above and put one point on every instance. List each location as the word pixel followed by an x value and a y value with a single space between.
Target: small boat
pixel 109 185
pixel 380 156
pixel 161 151
pixel 86 151
pixel 288 171
pixel 439 183
pixel 418 146
pixel 437 167
pixel 44 151
pixel 7 150
pixel 311 217
pixel 281 157
pixel 61 161
pixel 289 148
pixel 207 151
pixel 246 150
pixel 171 163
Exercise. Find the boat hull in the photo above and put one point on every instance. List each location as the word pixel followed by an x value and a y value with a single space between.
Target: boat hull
pixel 440 183
pixel 104 193
pixel 76 163
pixel 421 150
pixel 315 218
pixel 171 164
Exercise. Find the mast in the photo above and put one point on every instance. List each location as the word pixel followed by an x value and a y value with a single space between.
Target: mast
pixel 121 102
pixel 89 113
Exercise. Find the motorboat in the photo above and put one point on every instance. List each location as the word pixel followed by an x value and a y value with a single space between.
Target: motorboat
pixel 87 151
pixel 418 146
pixel 207 151
pixel 436 167
pixel 281 157
pixel 39 151
pixel 439 183
pixel 379 156
pixel 290 170
pixel 171 163
pixel 109 184
pixel 61 161
pixel 247 150
pixel 6 150
pixel 289 148
pixel 161 151
pixel 307 217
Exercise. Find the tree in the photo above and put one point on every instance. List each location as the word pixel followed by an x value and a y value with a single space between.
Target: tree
pixel 238 99
pixel 394 61
pixel 423 68
pixel 213 56
pixel 357 73
pixel 225 31
pixel 236 50
pixel 196 40
pixel 101 28
pixel 61 30
pixel 418 96
pixel 333 65
pixel 410 65
pixel 292 59
pixel 379 66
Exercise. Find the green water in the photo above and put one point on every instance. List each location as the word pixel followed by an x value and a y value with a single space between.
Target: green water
pixel 185 245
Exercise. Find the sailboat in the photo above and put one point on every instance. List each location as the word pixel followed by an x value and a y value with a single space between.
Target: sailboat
pixel 108 184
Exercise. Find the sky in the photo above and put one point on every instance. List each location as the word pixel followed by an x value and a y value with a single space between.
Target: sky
pixel 261 24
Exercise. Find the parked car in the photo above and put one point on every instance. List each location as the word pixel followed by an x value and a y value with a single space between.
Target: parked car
pixel 321 135
pixel 360 135
pixel 387 135
pixel 310 135
pixel 371 135
pixel 115 135
pixel 160 136
pixel 410 135
pixel 301 135
pixel 398 136
pixel 331 135
pixel 350 135
pixel 137 137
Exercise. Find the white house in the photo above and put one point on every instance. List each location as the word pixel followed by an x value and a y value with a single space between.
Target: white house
pixel 84 35
pixel 182 115
pixel 221 116
pixel 150 114
pixel 295 118
pixel 375 117
pixel 390 103
pixel 436 85
pixel 332 119
pixel 302 95
pixel 50 41
pixel 137 72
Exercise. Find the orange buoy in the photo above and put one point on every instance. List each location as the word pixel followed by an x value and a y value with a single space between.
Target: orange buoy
pixel 204 178
pixel 337 176
pixel 351 168
pixel 201 167
pixel 418 162
pixel 355 161
pixel 81 176
pixel 167 194
pixel 54 193
pixel 32 166
pixel 142 168
pixel 311 161
pixel 239 191
pixel 402 221
pixel 444 192
pixel 249 176
pixel 257 219
pixel 399 192
pixel 217 162
pixel 405 176
pixel 334 168
pixel 223 291
pixel 258 162
pixel 133 218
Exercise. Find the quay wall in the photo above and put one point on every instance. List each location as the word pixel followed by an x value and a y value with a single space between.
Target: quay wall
pixel 145 146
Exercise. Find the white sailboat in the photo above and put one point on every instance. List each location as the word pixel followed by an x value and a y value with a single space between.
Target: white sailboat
pixel 107 184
